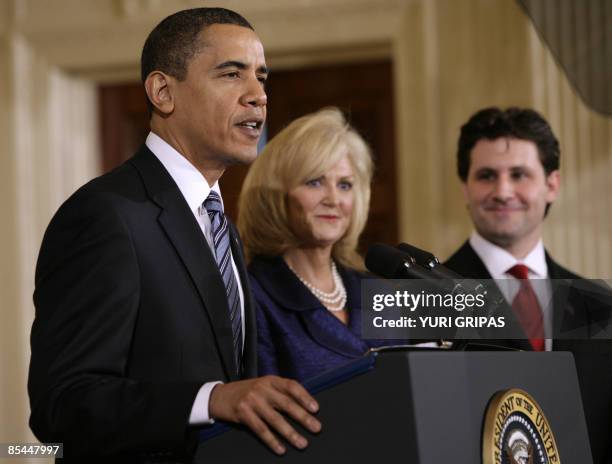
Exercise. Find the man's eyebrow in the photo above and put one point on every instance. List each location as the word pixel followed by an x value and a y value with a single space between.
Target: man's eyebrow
pixel 231 64
pixel 240 65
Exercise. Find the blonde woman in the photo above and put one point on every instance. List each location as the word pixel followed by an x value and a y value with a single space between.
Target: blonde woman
pixel 303 206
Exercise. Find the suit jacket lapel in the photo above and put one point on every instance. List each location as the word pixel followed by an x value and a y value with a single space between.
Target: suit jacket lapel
pixel 467 263
pixel 290 294
pixel 250 329
pixel 184 232
pixel 329 331
pixel 569 319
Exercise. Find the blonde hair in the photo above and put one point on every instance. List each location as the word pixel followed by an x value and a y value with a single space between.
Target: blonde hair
pixel 306 149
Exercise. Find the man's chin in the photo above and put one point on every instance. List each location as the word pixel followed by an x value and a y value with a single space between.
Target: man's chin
pixel 241 158
pixel 501 238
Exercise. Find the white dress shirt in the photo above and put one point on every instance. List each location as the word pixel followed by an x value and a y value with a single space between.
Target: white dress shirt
pixel 498 261
pixel 195 190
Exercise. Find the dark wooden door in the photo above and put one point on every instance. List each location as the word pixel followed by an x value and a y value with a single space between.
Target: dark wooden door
pixel 363 91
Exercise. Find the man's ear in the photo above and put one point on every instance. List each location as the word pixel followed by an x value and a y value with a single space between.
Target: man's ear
pixel 158 88
pixel 553 183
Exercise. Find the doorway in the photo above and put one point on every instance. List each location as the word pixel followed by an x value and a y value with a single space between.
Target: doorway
pixel 363 91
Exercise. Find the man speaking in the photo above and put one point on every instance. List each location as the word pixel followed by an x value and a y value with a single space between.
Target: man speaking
pixel 144 322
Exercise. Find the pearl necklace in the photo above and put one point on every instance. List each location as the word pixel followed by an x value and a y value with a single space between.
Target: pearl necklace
pixel 334 300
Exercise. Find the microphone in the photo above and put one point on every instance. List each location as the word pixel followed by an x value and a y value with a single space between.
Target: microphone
pixel 439 271
pixel 497 305
pixel 391 263
pixel 424 258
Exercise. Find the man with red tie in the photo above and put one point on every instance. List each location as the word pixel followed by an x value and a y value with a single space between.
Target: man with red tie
pixel 508 162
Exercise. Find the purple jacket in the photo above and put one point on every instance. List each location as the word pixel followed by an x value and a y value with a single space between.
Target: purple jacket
pixel 297 336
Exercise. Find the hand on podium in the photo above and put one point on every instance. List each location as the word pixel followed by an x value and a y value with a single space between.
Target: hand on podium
pixel 257 403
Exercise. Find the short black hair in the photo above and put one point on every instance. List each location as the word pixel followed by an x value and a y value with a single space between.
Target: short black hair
pixel 520 123
pixel 174 41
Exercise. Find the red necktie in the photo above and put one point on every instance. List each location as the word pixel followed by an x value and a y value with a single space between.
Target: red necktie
pixel 527 309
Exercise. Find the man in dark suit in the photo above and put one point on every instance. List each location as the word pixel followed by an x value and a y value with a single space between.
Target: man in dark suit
pixel 144 323
pixel 508 162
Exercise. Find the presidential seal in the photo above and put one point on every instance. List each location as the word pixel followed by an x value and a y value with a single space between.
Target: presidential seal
pixel 516 431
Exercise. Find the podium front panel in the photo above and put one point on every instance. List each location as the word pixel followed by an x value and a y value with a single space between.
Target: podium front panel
pixel 424 408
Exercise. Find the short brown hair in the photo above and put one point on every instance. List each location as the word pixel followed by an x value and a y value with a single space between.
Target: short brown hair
pixel 519 123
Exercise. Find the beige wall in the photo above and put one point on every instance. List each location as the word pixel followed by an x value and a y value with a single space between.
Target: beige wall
pixel 48 130
pixel 449 64
pixel 451 58
pixel 460 65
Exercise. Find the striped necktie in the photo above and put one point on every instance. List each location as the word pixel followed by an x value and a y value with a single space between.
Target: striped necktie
pixel 223 255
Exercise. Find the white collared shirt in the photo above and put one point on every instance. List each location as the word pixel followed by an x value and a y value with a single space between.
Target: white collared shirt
pixel 195 190
pixel 498 261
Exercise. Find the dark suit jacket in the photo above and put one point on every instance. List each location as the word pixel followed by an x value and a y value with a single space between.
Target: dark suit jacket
pixel 297 335
pixel 593 357
pixel 131 318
